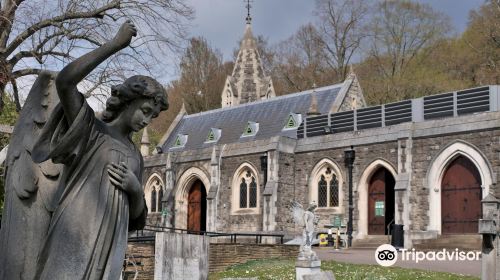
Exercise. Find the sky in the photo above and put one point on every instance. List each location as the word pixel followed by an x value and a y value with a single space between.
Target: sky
pixel 222 22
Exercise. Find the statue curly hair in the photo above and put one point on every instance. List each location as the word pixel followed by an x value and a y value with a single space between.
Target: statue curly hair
pixel 134 87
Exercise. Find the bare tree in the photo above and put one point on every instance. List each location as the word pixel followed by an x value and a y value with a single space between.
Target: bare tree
pixel 341 25
pixel 45 34
pixel 402 29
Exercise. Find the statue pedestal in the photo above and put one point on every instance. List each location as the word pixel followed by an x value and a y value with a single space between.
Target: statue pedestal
pixel 306 267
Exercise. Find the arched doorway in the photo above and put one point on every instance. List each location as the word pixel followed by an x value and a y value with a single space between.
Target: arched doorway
pixel 197 207
pixel 461 195
pixel 380 202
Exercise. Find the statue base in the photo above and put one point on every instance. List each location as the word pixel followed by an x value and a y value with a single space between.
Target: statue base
pixel 306 267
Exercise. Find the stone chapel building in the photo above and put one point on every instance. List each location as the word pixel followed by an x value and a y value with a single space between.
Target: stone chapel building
pixel 425 163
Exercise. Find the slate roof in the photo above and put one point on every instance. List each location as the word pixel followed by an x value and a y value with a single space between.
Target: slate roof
pixel 271 114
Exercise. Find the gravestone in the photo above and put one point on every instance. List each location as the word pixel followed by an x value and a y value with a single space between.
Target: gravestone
pixel 181 256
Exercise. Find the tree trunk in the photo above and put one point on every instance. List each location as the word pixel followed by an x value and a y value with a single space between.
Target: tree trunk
pixel 4 78
pixel 2 93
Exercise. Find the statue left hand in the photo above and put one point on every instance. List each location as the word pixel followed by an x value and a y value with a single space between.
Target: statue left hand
pixel 125 34
pixel 124 179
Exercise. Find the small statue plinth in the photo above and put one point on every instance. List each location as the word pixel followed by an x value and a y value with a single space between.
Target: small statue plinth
pixel 306 267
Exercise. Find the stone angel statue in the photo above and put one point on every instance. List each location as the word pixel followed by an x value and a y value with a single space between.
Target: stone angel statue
pixel 308 220
pixel 73 181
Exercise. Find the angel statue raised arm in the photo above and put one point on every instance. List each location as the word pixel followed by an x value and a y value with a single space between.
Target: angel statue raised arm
pixel 308 220
pixel 73 181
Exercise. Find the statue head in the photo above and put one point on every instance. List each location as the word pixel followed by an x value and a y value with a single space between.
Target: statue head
pixel 139 99
pixel 312 206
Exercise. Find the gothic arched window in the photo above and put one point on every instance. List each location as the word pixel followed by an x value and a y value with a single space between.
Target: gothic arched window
pixel 246 189
pixel 253 194
pixel 334 192
pixel 153 193
pixel 160 199
pixel 326 185
pixel 153 201
pixel 243 194
pixel 322 192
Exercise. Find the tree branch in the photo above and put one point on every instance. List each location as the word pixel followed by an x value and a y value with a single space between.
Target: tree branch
pixel 97 13
pixel 16 94
pixel 26 72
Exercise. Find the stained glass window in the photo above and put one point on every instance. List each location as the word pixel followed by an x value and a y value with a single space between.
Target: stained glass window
pixel 334 192
pixel 248 131
pixel 243 193
pixel 160 198
pixel 178 141
pixel 328 186
pixel 322 192
pixel 153 201
pixel 291 122
pixel 253 193
pixel 211 136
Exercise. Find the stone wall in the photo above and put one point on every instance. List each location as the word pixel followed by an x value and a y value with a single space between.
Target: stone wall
pixel 226 221
pixel 287 191
pixel 222 256
pixel 426 149
pixel 305 162
pixel 140 257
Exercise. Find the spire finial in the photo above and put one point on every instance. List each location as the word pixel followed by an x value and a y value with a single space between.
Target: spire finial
pixel 248 6
pixel 313 108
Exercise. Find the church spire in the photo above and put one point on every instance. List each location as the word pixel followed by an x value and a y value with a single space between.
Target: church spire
pixel 145 143
pixel 248 81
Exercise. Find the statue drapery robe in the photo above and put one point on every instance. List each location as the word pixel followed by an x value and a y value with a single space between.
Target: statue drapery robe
pixel 87 237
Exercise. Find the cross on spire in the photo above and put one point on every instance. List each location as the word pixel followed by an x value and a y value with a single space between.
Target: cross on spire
pixel 248 6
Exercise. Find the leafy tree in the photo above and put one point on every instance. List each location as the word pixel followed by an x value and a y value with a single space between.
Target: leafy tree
pixel 300 61
pixel 479 46
pixel 202 76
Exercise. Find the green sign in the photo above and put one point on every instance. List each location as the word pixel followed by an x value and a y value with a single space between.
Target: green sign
pixel 337 221
pixel 379 208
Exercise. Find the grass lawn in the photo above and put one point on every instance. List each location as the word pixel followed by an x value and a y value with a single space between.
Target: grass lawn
pixel 283 269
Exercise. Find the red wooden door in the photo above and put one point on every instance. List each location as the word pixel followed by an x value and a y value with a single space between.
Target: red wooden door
pixel 460 197
pixel 194 207
pixel 376 203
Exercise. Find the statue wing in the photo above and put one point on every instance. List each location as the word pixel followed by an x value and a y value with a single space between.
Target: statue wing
pixel 298 213
pixel 23 175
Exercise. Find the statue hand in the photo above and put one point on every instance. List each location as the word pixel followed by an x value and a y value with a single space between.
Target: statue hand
pixel 125 34
pixel 124 179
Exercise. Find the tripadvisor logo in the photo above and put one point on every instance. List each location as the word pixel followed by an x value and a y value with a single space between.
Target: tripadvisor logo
pixel 387 255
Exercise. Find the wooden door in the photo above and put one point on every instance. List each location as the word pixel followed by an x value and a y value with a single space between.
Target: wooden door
pixel 460 197
pixel 376 203
pixel 194 207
